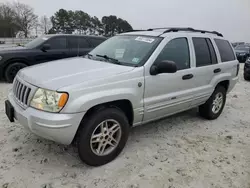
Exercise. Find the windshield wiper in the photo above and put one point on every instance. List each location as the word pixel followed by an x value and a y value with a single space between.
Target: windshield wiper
pixel 109 58
pixel 89 55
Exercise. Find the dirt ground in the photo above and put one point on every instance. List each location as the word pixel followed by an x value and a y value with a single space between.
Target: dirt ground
pixel 181 151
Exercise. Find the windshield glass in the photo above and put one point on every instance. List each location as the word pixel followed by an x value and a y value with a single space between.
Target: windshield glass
pixel 243 48
pixel 36 42
pixel 127 49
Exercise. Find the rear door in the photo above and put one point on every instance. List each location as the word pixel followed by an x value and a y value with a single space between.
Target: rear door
pixel 207 67
pixel 84 46
pixel 73 46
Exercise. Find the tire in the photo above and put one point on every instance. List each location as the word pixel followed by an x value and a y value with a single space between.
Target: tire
pixel 12 70
pixel 88 151
pixel 207 111
pixel 246 77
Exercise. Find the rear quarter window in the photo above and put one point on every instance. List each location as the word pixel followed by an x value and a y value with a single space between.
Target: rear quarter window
pixel 225 49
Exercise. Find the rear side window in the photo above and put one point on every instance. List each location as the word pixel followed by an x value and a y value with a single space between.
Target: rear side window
pixel 83 43
pixel 203 53
pixel 225 49
pixel 57 43
pixel 176 50
pixel 95 41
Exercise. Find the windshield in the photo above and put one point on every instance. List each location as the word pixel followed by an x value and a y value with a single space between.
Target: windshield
pixel 36 42
pixel 127 49
pixel 243 48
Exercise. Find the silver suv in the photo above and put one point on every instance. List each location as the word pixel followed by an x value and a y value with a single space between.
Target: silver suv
pixel 130 79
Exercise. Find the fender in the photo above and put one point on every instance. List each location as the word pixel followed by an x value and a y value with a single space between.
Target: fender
pixel 219 78
pixel 85 102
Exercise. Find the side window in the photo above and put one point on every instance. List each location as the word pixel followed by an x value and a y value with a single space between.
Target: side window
pixel 73 42
pixel 57 43
pixel 83 43
pixel 225 49
pixel 202 52
pixel 95 41
pixel 176 50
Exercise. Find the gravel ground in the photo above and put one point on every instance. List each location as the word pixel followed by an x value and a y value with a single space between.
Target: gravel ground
pixel 181 151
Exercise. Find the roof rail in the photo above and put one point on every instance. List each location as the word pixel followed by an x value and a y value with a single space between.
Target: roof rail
pixel 176 29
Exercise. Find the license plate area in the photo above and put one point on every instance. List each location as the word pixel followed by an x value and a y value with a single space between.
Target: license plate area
pixel 9 111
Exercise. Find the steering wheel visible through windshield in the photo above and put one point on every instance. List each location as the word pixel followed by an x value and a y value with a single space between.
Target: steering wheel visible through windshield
pixel 126 49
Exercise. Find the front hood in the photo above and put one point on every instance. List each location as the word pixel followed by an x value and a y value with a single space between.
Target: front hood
pixel 61 73
pixel 12 49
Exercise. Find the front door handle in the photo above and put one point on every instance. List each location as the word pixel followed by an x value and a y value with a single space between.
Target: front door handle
pixel 187 77
pixel 217 70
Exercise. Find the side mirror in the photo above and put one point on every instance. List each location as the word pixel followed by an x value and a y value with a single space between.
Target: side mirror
pixel 45 47
pixel 163 67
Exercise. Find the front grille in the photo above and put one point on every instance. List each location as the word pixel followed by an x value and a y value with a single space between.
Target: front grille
pixel 21 92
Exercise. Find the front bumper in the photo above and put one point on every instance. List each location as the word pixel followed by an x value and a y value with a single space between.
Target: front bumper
pixel 60 128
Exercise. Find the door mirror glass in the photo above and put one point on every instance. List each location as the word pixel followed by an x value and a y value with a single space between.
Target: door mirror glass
pixel 163 67
pixel 45 47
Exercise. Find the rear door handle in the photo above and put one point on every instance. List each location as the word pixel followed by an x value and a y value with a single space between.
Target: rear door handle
pixel 187 77
pixel 217 70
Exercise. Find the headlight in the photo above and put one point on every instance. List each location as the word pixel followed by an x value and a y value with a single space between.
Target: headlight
pixel 242 54
pixel 50 101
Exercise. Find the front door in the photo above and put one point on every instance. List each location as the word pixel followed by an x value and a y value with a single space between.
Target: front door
pixel 58 50
pixel 169 93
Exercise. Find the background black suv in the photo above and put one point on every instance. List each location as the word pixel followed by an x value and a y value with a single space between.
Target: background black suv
pixel 247 70
pixel 242 52
pixel 44 49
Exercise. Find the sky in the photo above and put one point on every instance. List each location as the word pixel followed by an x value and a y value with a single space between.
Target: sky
pixel 230 17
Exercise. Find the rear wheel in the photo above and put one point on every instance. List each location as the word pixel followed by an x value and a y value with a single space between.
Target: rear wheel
pixel 214 105
pixel 103 136
pixel 12 70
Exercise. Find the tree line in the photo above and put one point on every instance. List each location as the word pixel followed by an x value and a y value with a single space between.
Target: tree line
pixel 18 19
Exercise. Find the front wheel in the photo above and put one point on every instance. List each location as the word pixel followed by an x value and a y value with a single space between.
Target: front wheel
pixel 214 106
pixel 12 70
pixel 103 136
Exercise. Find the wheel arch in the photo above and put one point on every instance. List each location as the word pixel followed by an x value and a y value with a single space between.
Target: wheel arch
pixel 224 83
pixel 124 105
pixel 15 60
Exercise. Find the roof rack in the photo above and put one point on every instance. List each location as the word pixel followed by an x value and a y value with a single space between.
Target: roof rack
pixel 176 29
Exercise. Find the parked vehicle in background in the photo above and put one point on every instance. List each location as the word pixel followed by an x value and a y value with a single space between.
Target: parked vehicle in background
pixel 43 49
pixel 234 44
pixel 247 70
pixel 128 80
pixel 242 52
